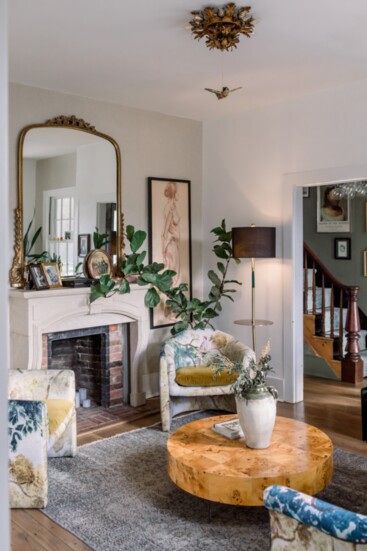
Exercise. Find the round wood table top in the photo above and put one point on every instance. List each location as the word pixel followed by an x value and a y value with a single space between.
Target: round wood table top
pixel 208 465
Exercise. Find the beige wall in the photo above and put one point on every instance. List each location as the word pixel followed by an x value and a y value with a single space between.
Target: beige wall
pixel 151 145
pixel 248 161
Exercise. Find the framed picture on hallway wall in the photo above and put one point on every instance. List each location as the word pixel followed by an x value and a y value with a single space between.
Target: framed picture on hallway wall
pixel 169 213
pixel 333 214
pixel 342 248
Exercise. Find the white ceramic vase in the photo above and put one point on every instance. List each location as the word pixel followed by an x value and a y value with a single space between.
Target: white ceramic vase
pixel 256 413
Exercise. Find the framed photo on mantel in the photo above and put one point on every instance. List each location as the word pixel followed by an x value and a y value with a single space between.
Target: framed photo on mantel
pixel 169 236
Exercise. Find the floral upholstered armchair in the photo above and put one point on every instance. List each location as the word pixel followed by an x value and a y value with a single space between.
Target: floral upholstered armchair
pixel 302 522
pixel 41 424
pixel 188 372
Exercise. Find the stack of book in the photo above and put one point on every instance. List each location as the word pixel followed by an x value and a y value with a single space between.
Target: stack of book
pixel 230 429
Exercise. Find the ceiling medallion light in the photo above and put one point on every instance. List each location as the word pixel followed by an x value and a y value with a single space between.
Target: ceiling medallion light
pixel 349 190
pixel 222 27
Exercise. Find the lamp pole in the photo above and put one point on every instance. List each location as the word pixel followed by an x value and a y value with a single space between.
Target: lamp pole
pixel 253 320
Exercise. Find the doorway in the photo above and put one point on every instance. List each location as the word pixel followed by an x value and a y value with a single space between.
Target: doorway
pixel 292 266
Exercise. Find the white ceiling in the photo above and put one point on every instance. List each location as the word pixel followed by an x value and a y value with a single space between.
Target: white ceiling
pixel 141 54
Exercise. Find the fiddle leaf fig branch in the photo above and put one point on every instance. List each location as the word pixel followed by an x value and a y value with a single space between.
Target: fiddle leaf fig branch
pixel 193 313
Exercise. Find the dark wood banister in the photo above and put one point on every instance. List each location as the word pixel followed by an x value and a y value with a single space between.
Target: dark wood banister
pixel 352 365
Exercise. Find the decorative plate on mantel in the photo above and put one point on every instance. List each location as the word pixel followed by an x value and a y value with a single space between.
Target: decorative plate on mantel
pixel 97 263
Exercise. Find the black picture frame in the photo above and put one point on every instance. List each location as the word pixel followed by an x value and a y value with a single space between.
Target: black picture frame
pixel 169 236
pixel 83 244
pixel 342 248
pixel 38 276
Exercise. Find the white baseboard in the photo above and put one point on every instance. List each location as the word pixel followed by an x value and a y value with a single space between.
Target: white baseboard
pixel 150 384
pixel 279 385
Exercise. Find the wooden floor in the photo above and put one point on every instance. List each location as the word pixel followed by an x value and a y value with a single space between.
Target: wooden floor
pixel 332 406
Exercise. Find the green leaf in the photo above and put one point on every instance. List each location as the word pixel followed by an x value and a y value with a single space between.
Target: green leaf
pixel 164 281
pixel 106 284
pixel 35 237
pixel 178 327
pixel 221 267
pixel 141 257
pixel 149 278
pixel 214 278
pixel 137 240
pixel 232 281
pixel 124 287
pixel 95 294
pixel 215 291
pixel 221 252
pixel 130 230
pixel 210 313
pixel 151 299
pixel 154 267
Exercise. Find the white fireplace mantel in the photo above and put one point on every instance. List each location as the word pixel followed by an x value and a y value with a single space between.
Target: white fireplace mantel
pixel 35 313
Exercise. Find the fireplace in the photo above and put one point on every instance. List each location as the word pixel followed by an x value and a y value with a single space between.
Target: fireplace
pixel 34 315
pixel 99 358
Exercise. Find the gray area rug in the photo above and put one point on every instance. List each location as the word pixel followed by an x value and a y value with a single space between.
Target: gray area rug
pixel 115 495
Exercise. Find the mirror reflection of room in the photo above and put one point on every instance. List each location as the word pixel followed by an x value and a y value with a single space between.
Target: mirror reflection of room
pixel 69 188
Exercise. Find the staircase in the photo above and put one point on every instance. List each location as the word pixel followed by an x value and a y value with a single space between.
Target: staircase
pixel 332 322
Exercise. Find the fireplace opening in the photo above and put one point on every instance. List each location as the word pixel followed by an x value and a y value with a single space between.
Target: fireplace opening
pixel 98 357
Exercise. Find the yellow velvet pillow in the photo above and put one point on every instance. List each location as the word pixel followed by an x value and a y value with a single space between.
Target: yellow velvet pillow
pixel 57 410
pixel 204 375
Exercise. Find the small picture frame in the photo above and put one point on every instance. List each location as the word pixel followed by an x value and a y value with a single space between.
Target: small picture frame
pixel 52 274
pixel 305 192
pixel 38 276
pixel 98 263
pixel 342 248
pixel 83 244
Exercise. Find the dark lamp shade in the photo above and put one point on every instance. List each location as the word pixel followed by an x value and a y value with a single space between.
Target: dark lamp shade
pixel 253 242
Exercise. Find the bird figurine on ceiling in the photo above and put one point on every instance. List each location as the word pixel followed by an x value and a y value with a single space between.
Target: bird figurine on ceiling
pixel 224 92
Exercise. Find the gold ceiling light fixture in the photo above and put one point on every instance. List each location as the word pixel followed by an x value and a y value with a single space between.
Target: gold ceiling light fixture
pixel 223 26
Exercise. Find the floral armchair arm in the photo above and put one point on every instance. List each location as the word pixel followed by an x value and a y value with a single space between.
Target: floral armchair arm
pixel 27 429
pixel 237 352
pixel 315 513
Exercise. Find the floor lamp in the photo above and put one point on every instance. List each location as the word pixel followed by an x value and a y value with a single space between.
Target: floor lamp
pixel 253 242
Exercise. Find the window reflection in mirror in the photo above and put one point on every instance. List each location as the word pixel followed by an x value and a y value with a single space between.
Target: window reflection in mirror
pixel 107 224
pixel 69 188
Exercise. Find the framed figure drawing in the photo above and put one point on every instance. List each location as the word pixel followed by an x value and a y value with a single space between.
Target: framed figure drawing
pixel 169 236
pixel 333 214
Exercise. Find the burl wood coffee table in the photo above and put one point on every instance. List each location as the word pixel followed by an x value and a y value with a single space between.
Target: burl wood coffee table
pixel 210 466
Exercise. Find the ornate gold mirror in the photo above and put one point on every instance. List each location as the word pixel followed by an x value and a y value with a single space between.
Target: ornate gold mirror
pixel 69 184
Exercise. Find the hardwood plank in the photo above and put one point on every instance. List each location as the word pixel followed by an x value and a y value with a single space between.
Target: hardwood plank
pixel 21 540
pixel 45 523
pixel 43 537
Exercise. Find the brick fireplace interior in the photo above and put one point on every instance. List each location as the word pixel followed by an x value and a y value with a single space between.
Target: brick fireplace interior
pixel 98 356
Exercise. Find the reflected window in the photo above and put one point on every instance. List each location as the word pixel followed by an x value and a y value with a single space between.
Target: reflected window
pixel 61 232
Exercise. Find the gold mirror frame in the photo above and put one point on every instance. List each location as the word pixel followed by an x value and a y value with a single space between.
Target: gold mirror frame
pixel 17 270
